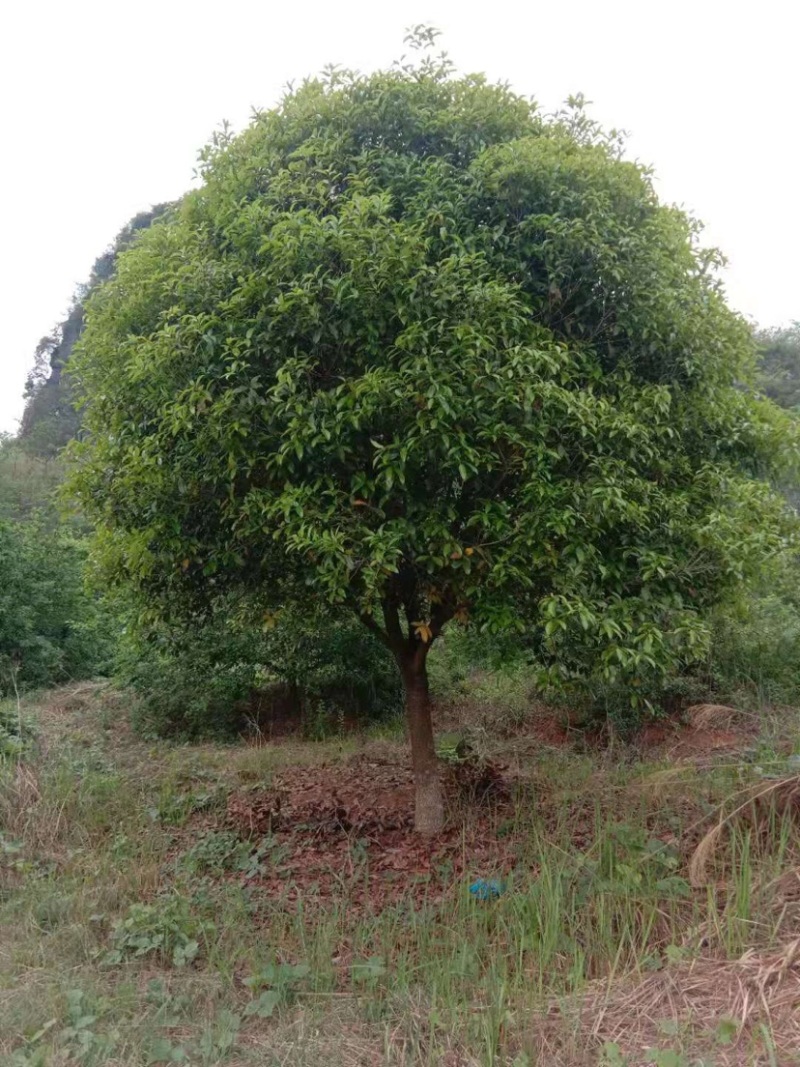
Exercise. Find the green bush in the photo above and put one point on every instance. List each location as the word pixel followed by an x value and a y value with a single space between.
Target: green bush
pixel 222 676
pixel 15 733
pixel 189 684
pixel 756 649
pixel 27 482
pixel 51 629
pixel 753 658
pixel 753 655
pixel 495 671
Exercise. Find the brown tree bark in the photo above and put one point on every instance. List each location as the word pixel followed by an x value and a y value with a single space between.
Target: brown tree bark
pixel 428 793
pixel 410 651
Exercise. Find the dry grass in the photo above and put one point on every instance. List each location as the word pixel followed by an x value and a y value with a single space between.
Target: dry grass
pixel 714 716
pixel 738 1012
pixel 761 805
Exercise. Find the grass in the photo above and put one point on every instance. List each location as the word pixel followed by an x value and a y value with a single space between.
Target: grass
pixel 134 930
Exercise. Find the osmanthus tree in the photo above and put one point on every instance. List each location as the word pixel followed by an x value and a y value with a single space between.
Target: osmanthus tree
pixel 413 348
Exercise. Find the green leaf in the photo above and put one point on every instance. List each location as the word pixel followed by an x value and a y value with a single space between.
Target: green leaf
pixel 264 1005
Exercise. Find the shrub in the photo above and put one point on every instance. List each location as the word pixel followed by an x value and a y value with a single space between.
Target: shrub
pixel 51 629
pixel 15 733
pixel 27 482
pixel 756 649
pixel 223 677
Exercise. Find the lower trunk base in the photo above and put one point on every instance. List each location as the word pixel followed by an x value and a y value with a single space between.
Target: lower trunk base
pixel 429 801
pixel 429 804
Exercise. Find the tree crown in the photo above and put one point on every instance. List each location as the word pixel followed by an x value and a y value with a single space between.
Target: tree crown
pixel 413 346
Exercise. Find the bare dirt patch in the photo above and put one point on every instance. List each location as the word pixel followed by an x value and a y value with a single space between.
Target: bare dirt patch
pixel 704 733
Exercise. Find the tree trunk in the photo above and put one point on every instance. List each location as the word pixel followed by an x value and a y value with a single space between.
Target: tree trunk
pixel 429 799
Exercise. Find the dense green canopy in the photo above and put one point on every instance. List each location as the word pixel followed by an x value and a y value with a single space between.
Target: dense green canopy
pixel 413 348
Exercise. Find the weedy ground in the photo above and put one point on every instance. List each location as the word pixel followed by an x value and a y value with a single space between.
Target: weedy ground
pixel 269 904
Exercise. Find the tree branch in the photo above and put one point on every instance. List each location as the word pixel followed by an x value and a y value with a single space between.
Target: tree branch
pixel 441 614
pixel 373 628
pixel 397 640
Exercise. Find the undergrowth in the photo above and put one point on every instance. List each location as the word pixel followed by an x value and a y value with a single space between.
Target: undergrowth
pixel 137 929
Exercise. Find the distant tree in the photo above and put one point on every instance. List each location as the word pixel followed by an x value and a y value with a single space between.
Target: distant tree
pixel 27 483
pixel 779 364
pixel 40 371
pixel 414 349
pixel 49 419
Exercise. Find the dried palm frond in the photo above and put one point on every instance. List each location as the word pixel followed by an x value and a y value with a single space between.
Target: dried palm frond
pixel 712 716
pixel 761 802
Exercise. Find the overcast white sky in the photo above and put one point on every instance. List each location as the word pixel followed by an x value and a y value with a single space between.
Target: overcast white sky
pixel 104 104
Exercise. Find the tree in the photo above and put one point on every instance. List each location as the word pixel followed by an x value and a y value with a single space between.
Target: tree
pixel 779 364
pixel 415 349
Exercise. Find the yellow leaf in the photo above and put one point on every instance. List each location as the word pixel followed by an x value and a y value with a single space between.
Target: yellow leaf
pixel 424 632
pixel 185 564
pixel 468 551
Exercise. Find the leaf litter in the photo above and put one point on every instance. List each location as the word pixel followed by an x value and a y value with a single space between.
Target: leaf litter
pixel 345 831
